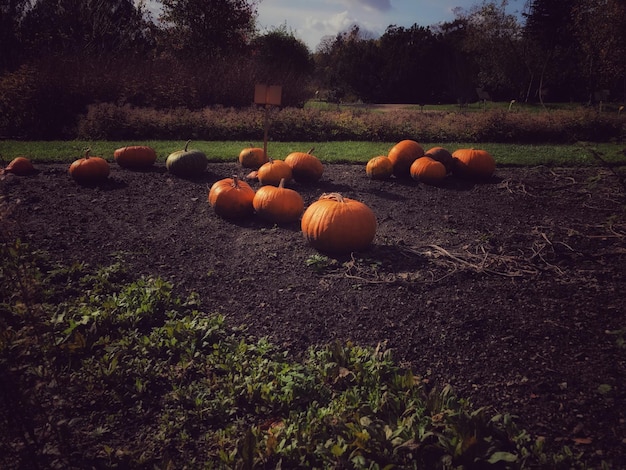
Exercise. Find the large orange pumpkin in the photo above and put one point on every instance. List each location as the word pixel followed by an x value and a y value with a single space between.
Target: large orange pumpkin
pixel 428 170
pixel 20 166
pixel 273 171
pixel 379 168
pixel 305 167
pixel 252 157
pixel 337 224
pixel 474 163
pixel 231 198
pixel 135 157
pixel 278 204
pixel 402 156
pixel 89 170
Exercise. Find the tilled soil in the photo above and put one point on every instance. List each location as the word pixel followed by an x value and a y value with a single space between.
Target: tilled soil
pixel 506 290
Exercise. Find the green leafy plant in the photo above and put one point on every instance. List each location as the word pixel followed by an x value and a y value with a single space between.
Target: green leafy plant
pixel 135 376
pixel 319 262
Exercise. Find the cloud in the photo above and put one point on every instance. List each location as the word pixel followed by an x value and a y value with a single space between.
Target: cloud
pixel 331 25
pixel 377 5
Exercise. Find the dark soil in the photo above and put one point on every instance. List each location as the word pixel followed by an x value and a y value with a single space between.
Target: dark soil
pixel 507 290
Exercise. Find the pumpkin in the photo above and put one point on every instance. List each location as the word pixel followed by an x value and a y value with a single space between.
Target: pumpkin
pixel 379 168
pixel 474 163
pixel 337 224
pixel 305 167
pixel 252 157
pixel 89 170
pixel 428 170
pixel 441 155
pixel 253 176
pixel 187 162
pixel 278 204
pixel 402 156
pixel 136 157
pixel 231 198
pixel 273 171
pixel 20 166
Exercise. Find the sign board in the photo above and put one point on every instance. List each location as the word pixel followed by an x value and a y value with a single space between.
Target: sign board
pixel 264 94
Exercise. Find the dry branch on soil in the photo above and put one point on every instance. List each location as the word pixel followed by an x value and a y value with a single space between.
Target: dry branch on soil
pixel 452 261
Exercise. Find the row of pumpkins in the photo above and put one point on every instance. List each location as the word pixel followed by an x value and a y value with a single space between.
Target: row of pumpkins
pixel 333 223
pixel 408 159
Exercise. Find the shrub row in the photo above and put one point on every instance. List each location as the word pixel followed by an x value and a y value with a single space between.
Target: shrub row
pixel 111 122
pixel 47 100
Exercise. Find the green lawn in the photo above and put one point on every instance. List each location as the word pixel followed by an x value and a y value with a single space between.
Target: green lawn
pixel 328 152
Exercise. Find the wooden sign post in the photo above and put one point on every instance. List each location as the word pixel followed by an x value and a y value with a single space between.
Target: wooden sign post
pixel 268 96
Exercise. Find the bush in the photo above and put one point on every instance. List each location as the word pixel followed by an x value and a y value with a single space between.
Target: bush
pixel 67 98
pixel 112 122
pixel 34 106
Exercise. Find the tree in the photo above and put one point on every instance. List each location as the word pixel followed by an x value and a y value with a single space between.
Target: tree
pixel 410 65
pixel 350 65
pixel 549 34
pixel 200 28
pixel 11 15
pixel 282 59
pixel 492 39
pixel 457 70
pixel 84 28
pixel 600 29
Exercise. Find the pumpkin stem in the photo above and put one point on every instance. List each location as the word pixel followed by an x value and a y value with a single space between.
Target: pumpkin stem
pixel 187 144
pixel 87 151
pixel 311 151
pixel 334 196
pixel 282 183
pixel 235 181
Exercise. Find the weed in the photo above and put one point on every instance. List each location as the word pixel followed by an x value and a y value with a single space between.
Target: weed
pixel 154 380
pixel 319 262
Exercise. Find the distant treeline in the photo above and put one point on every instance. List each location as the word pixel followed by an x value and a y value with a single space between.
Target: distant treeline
pixel 58 57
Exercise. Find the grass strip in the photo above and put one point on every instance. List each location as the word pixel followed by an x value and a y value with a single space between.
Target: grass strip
pixel 357 152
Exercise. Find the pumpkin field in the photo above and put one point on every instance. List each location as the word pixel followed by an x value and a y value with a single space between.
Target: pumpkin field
pixel 508 288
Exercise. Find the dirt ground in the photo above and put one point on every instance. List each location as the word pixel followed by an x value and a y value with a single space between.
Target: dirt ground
pixel 507 290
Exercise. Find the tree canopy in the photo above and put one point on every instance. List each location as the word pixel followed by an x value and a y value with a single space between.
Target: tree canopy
pixel 201 28
pixel 197 53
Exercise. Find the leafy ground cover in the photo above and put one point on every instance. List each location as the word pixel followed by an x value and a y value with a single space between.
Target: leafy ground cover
pixel 507 293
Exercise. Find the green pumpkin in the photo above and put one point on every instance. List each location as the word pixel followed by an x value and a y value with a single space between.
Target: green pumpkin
pixel 187 162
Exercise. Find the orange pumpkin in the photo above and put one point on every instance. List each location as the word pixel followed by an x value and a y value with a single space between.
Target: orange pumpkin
pixel 273 171
pixel 379 168
pixel 441 155
pixel 20 166
pixel 231 198
pixel 337 224
pixel 402 156
pixel 89 170
pixel 474 163
pixel 278 204
pixel 252 157
pixel 305 167
pixel 135 157
pixel 428 170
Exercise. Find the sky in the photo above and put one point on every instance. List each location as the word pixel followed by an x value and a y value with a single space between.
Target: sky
pixel 312 20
